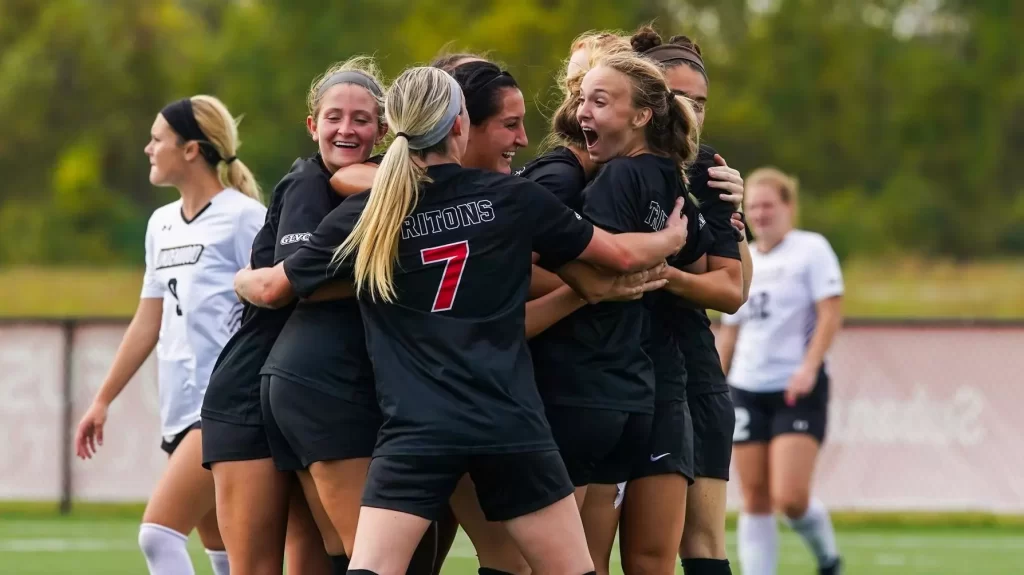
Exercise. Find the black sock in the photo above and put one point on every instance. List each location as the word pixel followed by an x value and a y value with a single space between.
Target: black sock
pixel 489 571
pixel 706 567
pixel 422 562
pixel 339 564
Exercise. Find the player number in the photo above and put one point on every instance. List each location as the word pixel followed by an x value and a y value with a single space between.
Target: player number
pixel 759 305
pixel 454 258
pixel 172 286
pixel 741 432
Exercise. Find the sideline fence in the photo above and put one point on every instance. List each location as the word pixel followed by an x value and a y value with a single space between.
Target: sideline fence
pixel 925 416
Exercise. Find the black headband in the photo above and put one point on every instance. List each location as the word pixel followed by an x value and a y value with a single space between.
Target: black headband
pixel 182 119
pixel 670 53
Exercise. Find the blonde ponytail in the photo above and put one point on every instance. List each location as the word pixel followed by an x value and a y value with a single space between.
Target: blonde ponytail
pixel 221 129
pixel 418 107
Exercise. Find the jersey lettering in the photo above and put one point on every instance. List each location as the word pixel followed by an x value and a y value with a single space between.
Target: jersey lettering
pixel 178 256
pixel 450 218
pixel 454 258
pixel 656 217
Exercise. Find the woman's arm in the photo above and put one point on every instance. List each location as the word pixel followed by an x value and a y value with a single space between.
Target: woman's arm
pixel 543 282
pixel 549 309
pixel 265 287
pixel 596 286
pixel 138 342
pixel 747 267
pixel 633 252
pixel 726 339
pixel 353 179
pixel 830 319
pixel 720 288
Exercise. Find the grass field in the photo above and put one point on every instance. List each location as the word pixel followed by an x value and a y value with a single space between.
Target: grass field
pixel 73 545
pixel 875 289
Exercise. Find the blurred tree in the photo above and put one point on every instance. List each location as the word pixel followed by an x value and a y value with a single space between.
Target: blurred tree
pixel 902 118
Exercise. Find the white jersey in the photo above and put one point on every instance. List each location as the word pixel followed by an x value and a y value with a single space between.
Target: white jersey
pixel 778 319
pixel 192 266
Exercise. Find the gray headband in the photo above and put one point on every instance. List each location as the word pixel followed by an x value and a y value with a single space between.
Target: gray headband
pixel 350 77
pixel 441 129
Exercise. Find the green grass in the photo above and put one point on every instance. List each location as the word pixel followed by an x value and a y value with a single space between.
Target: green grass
pixel 881 288
pixel 80 544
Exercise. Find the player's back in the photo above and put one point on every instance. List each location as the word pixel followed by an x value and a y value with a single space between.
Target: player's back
pixel 453 347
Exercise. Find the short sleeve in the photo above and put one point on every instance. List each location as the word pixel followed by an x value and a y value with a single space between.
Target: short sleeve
pixel 559 233
pixel 605 204
pixel 250 222
pixel 303 206
pixel 699 237
pixel 151 286
pixel 825 275
pixel 562 180
pixel 719 222
pixel 311 265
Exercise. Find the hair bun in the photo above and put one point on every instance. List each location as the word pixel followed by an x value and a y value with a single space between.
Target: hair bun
pixel 644 39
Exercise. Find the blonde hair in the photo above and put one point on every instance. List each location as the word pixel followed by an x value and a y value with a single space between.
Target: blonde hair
pixel 221 130
pixel 416 103
pixel 787 186
pixel 363 64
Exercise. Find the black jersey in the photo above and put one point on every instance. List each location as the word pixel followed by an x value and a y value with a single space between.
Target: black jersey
pixel 596 357
pixel 234 392
pixel 322 345
pixel 690 324
pixel 561 173
pixel 450 359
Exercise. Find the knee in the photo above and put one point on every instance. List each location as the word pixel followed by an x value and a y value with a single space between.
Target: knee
pixel 757 501
pixel 703 541
pixel 792 505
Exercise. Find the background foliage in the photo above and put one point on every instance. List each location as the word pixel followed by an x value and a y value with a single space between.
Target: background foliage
pixel 902 118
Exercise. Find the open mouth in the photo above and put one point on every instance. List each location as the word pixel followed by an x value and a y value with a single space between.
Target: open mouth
pixel 508 156
pixel 346 145
pixel 590 136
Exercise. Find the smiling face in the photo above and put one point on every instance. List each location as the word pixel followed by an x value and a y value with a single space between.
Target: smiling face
pixel 494 142
pixel 611 124
pixel 347 126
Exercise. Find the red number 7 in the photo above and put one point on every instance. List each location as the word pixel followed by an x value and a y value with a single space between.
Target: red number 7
pixel 454 258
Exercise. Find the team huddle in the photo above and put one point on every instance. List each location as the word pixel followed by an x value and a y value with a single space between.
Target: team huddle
pixel 404 344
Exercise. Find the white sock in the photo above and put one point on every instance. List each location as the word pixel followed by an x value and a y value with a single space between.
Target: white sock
pixel 219 560
pixel 165 550
pixel 758 544
pixel 815 527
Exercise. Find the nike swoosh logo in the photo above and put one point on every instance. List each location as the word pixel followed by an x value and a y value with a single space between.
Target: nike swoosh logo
pixel 653 458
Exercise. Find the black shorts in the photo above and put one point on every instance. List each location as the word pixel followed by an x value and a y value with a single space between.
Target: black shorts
pixel 599 445
pixel 714 421
pixel 306 425
pixel 671 443
pixel 223 441
pixel 169 444
pixel 508 485
pixel 760 417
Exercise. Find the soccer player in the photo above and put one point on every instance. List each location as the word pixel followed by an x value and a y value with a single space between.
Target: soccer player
pixel 346 122
pixel 722 288
pixel 187 311
pixel 773 351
